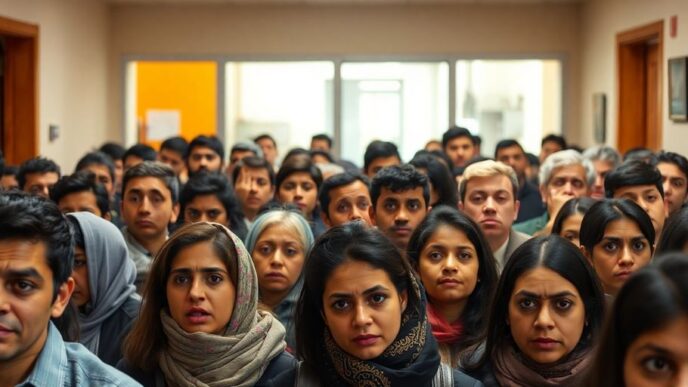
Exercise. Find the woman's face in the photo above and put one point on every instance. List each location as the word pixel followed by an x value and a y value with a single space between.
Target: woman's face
pixel 546 315
pixel 622 251
pixel 206 208
pixel 299 188
pixel 570 228
pixel 82 291
pixel 200 292
pixel 278 257
pixel 362 309
pixel 660 357
pixel 448 266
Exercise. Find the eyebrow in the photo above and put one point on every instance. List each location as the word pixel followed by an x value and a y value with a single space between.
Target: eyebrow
pixel 374 289
pixel 437 245
pixel 555 295
pixel 186 270
pixel 139 191
pixel 654 348
pixel 24 273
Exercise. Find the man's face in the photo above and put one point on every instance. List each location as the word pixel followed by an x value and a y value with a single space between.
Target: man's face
pixel 40 183
pixel 26 299
pixel 203 158
pixel 147 207
pixel 103 177
pixel 131 161
pixel 397 214
pixel 674 183
pixel 650 200
pixel 235 157
pixel 514 157
pixel 269 150
pixel 547 149
pixel 602 167
pixel 9 182
pixel 173 159
pixel 490 202
pixel 253 188
pixel 348 203
pixel 80 201
pixel 320 145
pixel 381 162
pixel 460 150
pixel 566 182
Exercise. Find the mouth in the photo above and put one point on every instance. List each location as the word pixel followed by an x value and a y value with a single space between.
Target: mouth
pixel 449 282
pixel 273 275
pixel 145 223
pixel 545 343
pixel 5 331
pixel 623 274
pixel 401 230
pixel 197 316
pixel 366 340
pixel 490 222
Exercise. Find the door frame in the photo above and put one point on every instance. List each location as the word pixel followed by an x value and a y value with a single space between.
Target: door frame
pixel 628 89
pixel 20 134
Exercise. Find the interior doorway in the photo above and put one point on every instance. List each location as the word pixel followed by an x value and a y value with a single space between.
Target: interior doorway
pixel 639 60
pixel 19 129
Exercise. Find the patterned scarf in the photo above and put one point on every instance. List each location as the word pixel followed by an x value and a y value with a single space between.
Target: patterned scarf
pixel 236 358
pixel 444 331
pixel 411 360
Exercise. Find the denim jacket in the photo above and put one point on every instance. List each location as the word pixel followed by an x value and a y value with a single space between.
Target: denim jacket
pixel 71 364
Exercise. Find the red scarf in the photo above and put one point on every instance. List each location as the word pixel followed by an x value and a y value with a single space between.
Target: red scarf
pixel 444 331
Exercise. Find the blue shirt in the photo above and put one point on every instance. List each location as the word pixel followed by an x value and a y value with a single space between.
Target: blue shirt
pixel 71 364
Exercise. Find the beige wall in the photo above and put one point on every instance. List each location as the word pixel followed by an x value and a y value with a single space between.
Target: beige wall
pixel 345 30
pixel 73 46
pixel 601 21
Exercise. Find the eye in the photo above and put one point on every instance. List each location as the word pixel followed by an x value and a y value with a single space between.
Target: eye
pixel 23 286
pixel 414 205
pixel 571 236
pixel 527 304
pixel 377 299
pixel 292 251
pixel 435 255
pixel 363 204
pixel 610 247
pixel 307 186
pixel 215 279
pixel 563 304
pixel 343 207
pixel 180 279
pixel 577 184
pixel 657 364
pixel 340 305
pixel 265 249
pixel 390 206
pixel 678 183
pixel 477 199
pixel 79 263
pixel 193 214
pixel 639 245
pixel 213 214
pixel 288 186
pixel 466 255
pixel 651 198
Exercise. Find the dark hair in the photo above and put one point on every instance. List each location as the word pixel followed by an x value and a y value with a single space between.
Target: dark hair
pixel 648 301
pixel 608 210
pixel 559 140
pixel 146 338
pixel 10 170
pixel 561 256
pixel 265 137
pixel 378 149
pixel 456 132
pixel 508 143
pixel 675 233
pixel 114 150
pixel 154 169
pixel 532 159
pixel 673 158
pixel 477 140
pixel 440 177
pixel 36 165
pixel 2 163
pixel 298 165
pixel 296 153
pixel 336 181
pixel 142 151
pixel 204 141
pixel 639 153
pixel 353 241
pixel 255 163
pixel 205 183
pixel 573 206
pixel 630 173
pixel 79 182
pixel 480 301
pixel 322 153
pixel 398 178
pixel 96 158
pixel 176 144
pixel 323 137
pixel 30 217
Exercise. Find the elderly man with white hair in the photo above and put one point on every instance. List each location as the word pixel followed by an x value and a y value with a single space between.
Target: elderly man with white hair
pixel 564 175
pixel 604 158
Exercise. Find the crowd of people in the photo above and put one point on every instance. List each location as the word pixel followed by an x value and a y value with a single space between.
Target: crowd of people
pixel 185 267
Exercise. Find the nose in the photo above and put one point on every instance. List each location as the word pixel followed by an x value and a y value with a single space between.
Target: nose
pixel 599 180
pixel 667 189
pixel 451 264
pixel 544 319
pixel 204 218
pixel 144 207
pixel 196 292
pixel 298 192
pixel 253 186
pixel 626 258
pixel 277 260
pixel 402 216
pixel 568 188
pixel 682 377
pixel 489 204
pixel 361 315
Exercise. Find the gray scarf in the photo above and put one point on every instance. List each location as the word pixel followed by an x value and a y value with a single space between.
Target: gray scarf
pixel 111 275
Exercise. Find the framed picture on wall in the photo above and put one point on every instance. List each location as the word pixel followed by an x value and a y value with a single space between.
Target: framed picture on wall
pixel 678 83
pixel 599 117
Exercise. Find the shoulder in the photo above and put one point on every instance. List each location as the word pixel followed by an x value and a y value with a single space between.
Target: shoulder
pixel 518 237
pixel 484 374
pixel 283 363
pixel 531 226
pixel 144 378
pixel 463 380
pixel 92 371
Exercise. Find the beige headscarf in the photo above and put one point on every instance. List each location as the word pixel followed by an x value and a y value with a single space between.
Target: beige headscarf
pixel 236 358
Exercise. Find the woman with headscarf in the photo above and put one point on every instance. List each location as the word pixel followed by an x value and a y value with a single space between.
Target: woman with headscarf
pixel 104 291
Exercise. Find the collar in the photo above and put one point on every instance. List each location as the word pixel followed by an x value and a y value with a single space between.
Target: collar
pixel 500 253
pixel 51 366
pixel 133 243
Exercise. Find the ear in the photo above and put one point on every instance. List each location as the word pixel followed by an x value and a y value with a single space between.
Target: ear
pixel 517 207
pixel 543 193
pixel 403 300
pixel 322 314
pixel 325 219
pixel 175 213
pixel 461 206
pixel 64 293
pixel 587 255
